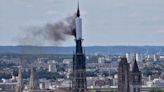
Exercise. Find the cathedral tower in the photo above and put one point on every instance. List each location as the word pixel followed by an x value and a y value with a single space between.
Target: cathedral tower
pixel 123 76
pixel 79 83
pixel 135 78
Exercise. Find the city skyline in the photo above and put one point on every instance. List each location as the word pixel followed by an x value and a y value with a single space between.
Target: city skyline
pixel 141 22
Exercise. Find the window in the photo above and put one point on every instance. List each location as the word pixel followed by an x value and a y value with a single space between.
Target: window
pixel 134 90
pixel 139 90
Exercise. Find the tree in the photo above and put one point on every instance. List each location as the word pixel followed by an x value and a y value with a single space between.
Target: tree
pixel 156 90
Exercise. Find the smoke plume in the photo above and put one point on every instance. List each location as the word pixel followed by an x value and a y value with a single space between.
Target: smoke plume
pixel 54 33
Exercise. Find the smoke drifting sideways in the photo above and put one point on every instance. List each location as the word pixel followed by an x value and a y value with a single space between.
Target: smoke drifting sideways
pixel 52 34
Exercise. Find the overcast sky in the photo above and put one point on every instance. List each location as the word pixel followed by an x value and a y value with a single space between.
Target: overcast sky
pixel 105 22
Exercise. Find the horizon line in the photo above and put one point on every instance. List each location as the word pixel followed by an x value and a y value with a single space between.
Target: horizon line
pixel 83 46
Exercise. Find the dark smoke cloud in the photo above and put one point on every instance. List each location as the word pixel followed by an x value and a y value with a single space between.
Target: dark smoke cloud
pixel 54 33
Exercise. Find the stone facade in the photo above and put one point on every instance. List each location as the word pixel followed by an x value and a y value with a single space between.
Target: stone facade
pixel 123 76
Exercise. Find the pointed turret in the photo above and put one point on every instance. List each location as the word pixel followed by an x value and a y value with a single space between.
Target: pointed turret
pixel 33 85
pixel 135 67
pixel 135 78
pixel 19 87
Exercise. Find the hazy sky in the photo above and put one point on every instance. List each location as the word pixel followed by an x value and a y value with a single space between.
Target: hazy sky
pixel 105 22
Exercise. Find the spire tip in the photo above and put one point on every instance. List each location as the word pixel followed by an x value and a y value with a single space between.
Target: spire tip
pixel 78 10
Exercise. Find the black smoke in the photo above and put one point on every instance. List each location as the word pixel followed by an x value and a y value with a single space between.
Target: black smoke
pixel 50 32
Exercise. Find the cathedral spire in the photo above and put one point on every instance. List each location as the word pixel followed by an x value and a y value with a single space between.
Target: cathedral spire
pixel 79 82
pixel 33 85
pixel 78 10
pixel 135 67
pixel 19 87
pixel 78 21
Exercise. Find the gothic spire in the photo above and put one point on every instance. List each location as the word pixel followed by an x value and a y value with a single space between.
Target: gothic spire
pixel 78 10
pixel 19 86
pixel 135 67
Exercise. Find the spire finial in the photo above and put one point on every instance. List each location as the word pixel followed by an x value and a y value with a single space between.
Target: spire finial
pixel 78 10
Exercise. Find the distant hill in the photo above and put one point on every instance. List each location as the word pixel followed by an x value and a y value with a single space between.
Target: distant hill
pixel 111 50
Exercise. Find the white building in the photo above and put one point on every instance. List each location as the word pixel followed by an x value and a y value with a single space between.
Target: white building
pixel 130 57
pixel 139 57
pixel 52 66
